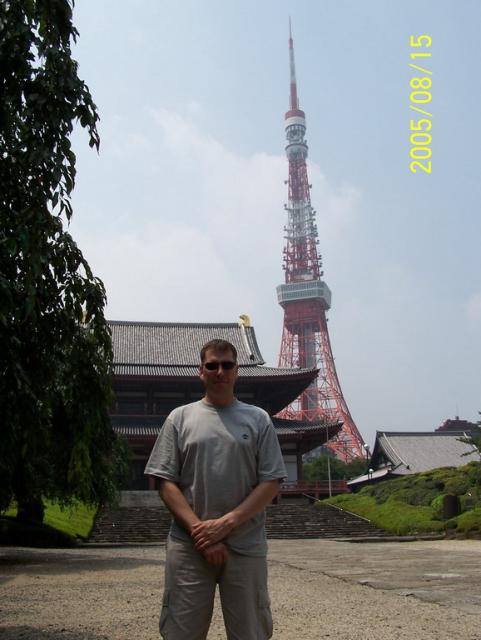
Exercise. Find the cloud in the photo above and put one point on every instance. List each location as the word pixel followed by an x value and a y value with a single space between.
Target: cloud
pixel 473 309
pixel 136 37
pixel 194 107
pixel 184 229
pixel 337 209
pixel 181 229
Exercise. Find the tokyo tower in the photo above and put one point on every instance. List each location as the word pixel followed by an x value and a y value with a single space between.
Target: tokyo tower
pixel 305 298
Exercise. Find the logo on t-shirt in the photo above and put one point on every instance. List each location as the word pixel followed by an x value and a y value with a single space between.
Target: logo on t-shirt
pixel 245 436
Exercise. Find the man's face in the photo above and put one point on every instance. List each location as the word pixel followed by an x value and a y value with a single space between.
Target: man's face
pixel 215 374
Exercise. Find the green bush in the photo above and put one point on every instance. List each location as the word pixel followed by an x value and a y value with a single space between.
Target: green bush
pixel 393 515
pixel 472 498
pixel 414 503
pixel 417 495
pixel 437 506
pixel 469 522
pixel 383 490
pixel 457 486
pixel 467 503
pixel 473 470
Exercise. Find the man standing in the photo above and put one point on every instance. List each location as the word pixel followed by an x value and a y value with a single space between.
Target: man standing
pixel 220 464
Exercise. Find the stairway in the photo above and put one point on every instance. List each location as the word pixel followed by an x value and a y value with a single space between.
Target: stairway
pixel 318 520
pixel 141 517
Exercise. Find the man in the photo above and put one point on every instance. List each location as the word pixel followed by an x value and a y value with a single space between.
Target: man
pixel 220 464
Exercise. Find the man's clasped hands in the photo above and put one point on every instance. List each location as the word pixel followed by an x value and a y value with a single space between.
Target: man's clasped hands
pixel 208 536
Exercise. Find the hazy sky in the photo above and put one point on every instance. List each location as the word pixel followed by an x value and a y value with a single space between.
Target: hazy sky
pixel 182 212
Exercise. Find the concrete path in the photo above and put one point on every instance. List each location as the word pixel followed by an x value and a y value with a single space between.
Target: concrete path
pixel 319 589
pixel 447 572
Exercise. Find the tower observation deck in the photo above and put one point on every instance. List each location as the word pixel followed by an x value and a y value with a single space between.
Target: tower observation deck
pixel 305 297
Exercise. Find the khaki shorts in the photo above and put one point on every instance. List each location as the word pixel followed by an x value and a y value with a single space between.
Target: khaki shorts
pixel 190 583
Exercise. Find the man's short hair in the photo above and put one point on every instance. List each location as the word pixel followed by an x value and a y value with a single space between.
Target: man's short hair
pixel 217 344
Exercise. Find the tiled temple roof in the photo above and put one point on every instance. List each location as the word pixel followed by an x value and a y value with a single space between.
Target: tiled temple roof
pixel 142 430
pixel 150 426
pixel 193 371
pixel 178 344
pixel 166 349
pixel 414 452
pixel 291 427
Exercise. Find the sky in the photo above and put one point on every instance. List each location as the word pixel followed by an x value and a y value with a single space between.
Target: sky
pixel 181 214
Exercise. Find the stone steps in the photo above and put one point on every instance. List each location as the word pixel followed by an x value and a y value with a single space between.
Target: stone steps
pixel 319 520
pixel 150 522
pixel 131 524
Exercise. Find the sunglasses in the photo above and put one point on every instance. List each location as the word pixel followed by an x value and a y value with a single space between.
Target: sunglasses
pixel 214 366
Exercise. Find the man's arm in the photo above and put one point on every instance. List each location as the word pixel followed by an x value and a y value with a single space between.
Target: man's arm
pixel 209 532
pixel 176 503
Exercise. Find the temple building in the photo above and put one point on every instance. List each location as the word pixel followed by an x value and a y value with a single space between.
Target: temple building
pixel 401 453
pixel 156 368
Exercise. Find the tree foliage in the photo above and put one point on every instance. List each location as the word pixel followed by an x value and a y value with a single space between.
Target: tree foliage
pixel 474 439
pixel 318 470
pixel 55 360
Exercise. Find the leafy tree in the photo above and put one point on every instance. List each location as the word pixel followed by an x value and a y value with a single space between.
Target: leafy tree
pixel 55 359
pixel 356 467
pixel 317 469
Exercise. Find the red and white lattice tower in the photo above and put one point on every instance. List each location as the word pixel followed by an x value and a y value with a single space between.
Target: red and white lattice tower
pixel 305 298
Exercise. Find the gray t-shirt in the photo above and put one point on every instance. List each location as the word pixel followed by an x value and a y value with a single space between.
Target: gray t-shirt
pixel 217 456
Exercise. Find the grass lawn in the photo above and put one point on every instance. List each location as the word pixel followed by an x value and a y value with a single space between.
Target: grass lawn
pixel 414 503
pixel 74 521
pixel 394 516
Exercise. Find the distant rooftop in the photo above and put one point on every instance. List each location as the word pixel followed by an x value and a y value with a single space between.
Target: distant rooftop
pixel 400 453
pixel 413 452
pixel 456 424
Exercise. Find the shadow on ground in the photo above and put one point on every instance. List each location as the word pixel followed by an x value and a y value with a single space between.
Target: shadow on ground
pixel 46 562
pixel 30 633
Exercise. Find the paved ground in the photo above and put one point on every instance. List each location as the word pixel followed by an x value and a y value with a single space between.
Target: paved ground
pixel 319 589
pixel 447 572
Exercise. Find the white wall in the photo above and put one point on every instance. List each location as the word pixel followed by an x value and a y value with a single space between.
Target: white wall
pixel 291 465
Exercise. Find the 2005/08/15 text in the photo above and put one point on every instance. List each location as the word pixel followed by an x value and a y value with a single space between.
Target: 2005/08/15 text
pixel 421 94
